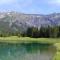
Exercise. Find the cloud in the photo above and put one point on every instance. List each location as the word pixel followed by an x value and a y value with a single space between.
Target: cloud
pixel 30 6
pixel 16 3
pixel 6 1
pixel 25 3
pixel 54 2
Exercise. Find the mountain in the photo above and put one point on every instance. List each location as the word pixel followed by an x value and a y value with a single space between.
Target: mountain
pixel 14 21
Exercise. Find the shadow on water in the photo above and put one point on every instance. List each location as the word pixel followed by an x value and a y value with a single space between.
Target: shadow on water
pixel 27 51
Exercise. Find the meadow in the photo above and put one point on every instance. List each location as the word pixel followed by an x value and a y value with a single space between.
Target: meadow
pixel 15 39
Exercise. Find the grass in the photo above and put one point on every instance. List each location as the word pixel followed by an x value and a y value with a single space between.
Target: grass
pixel 15 39
pixel 57 55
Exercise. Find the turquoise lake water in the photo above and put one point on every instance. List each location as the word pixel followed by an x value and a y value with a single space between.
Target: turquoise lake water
pixel 30 51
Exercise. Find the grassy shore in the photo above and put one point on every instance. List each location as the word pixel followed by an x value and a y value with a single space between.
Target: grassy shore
pixel 15 39
pixel 57 55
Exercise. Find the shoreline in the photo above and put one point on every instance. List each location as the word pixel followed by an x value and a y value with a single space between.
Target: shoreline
pixel 15 39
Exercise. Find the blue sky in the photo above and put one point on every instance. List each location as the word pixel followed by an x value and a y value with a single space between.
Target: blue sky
pixel 31 6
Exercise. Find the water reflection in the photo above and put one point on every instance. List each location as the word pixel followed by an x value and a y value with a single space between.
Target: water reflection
pixel 30 51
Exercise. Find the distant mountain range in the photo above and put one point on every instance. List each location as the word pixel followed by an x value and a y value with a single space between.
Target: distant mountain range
pixel 14 21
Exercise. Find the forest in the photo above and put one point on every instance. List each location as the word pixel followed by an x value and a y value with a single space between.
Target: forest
pixel 34 32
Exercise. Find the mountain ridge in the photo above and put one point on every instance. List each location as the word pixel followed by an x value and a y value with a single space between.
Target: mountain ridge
pixel 15 21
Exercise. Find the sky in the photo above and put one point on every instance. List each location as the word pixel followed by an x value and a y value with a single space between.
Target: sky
pixel 31 6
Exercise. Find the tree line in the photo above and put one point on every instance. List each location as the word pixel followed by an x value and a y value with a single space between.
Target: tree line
pixel 34 32
pixel 46 32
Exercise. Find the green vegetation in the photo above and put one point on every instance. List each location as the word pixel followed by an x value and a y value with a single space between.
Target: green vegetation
pixel 44 32
pixel 57 55
pixel 34 32
pixel 15 39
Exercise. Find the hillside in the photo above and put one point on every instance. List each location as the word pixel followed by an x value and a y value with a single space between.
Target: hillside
pixel 14 21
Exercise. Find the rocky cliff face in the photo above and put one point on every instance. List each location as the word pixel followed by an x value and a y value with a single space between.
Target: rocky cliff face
pixel 13 21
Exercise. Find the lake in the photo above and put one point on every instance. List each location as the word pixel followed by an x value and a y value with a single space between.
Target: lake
pixel 26 51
